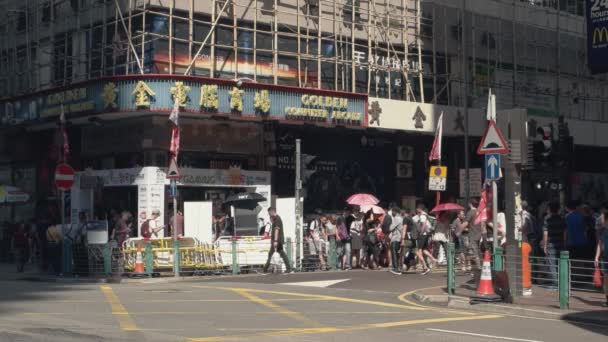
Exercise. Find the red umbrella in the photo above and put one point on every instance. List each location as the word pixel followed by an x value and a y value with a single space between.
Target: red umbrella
pixel 447 207
pixel 362 199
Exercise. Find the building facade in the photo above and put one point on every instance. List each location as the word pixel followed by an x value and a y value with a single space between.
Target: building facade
pixel 361 82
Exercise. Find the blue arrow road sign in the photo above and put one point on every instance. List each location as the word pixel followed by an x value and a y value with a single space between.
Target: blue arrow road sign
pixel 492 166
pixel 173 188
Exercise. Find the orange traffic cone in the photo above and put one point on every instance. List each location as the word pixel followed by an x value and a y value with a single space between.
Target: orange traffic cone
pixel 485 290
pixel 139 263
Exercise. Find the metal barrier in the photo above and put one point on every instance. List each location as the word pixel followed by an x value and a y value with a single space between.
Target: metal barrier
pixel 555 277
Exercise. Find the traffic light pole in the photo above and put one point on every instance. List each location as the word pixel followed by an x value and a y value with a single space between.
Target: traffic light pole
pixel 298 204
pixel 515 127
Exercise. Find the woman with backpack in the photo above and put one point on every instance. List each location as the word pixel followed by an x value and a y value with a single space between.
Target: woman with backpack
pixel 21 247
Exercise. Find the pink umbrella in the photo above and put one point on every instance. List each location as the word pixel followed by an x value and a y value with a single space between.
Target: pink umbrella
pixel 447 207
pixel 375 209
pixel 362 199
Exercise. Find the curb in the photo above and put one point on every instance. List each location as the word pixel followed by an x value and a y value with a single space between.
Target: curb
pixel 442 300
pixel 126 280
pixel 462 303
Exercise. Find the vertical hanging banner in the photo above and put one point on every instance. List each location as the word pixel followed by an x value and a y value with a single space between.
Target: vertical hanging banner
pixel 597 36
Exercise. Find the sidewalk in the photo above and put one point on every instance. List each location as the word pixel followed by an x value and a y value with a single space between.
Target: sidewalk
pixel 8 272
pixel 32 272
pixel 544 303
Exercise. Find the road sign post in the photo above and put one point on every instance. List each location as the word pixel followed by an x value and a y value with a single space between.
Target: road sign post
pixel 492 145
pixel 492 167
pixel 64 177
pixel 438 178
pixel 64 180
pixel 173 175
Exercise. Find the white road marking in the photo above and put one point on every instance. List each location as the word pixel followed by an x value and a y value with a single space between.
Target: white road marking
pixel 322 283
pixel 482 335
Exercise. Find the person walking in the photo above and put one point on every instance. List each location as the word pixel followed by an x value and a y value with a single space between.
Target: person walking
pixel 472 235
pixel 424 229
pixel 387 224
pixel 179 223
pixel 277 240
pixel 54 240
pixel 331 231
pixel 601 251
pixel 576 237
pixel 396 238
pixel 149 227
pixel 21 247
pixel 344 244
pixel 122 229
pixel 528 240
pixel 408 245
pixel 554 239
pixel 356 229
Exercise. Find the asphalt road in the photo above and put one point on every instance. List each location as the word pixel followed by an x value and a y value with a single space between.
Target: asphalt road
pixel 343 306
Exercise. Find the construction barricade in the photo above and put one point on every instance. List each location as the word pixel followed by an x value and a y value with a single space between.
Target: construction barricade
pixel 228 255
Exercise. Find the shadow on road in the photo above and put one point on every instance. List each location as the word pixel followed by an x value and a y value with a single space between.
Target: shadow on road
pixel 18 290
pixel 583 320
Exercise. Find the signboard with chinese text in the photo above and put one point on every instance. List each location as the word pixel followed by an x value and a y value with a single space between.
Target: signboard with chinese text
pixel 197 96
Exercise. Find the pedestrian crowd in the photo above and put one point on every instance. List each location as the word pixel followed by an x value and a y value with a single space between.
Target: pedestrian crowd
pixel 401 240
pixel 393 238
pixel 35 242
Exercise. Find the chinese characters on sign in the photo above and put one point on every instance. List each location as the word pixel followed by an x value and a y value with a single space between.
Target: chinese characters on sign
pixel 197 95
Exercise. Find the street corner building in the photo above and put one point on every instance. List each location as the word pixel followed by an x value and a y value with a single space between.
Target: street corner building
pixel 361 83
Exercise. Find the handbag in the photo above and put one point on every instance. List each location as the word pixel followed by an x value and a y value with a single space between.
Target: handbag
pixel 597 278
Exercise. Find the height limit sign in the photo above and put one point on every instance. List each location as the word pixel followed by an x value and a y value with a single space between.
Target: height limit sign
pixel 438 178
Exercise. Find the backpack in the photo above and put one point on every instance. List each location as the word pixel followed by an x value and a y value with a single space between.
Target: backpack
pixel 386 224
pixel 343 232
pixel 146 233
pixel 413 231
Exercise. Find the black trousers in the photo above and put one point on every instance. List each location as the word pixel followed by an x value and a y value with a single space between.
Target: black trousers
pixel 281 252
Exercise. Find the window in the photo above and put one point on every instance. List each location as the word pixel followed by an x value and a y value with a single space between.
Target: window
pixel 46 12
pixel 62 59
pixel 21 19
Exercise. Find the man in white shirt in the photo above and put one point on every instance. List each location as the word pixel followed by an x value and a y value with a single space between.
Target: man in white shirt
pixel 317 232
pixel 152 226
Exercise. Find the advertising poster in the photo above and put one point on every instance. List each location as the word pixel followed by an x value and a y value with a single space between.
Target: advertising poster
pixel 597 36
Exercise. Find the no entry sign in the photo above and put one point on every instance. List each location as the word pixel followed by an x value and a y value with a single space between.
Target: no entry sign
pixel 64 177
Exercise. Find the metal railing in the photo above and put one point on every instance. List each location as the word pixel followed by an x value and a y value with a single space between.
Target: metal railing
pixel 558 276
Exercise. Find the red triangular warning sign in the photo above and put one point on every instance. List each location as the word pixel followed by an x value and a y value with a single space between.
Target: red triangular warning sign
pixel 173 172
pixel 493 141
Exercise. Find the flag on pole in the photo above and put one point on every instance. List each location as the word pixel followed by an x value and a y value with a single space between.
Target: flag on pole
pixel 174 117
pixel 491 110
pixel 66 143
pixel 436 150
pixel 482 209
